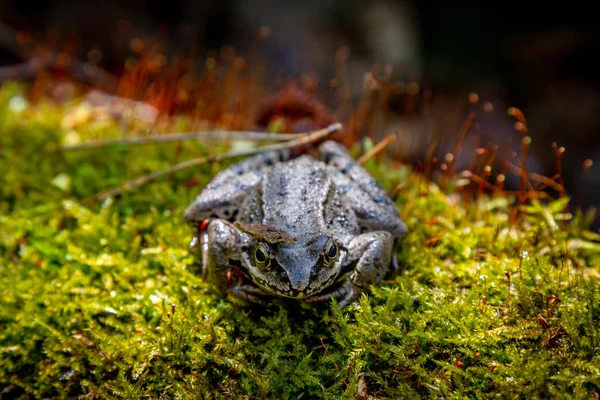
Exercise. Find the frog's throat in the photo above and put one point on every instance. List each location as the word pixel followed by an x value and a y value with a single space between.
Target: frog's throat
pixel 265 233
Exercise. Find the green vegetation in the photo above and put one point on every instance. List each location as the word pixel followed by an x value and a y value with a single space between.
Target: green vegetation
pixel 106 301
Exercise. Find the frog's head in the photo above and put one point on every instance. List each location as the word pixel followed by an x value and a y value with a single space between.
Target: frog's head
pixel 296 267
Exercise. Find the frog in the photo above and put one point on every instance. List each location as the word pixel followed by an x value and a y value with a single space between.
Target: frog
pixel 307 227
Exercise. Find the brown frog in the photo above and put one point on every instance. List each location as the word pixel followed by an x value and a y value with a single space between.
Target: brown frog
pixel 299 228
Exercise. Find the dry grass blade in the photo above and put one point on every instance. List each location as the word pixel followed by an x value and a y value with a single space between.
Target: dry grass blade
pixel 377 149
pixel 179 137
pixel 305 139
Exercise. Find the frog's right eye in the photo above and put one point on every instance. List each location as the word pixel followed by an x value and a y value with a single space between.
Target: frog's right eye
pixel 261 256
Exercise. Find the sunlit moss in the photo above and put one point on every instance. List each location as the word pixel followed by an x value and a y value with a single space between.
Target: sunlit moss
pixel 107 301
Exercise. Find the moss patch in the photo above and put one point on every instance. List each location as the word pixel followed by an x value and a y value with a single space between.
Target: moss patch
pixel 107 301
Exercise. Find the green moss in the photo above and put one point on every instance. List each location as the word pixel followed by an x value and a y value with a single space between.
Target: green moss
pixel 107 301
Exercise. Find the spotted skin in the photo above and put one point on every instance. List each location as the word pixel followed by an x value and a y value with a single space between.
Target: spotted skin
pixel 344 225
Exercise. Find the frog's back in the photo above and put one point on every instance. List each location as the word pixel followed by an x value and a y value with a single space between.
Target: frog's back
pixel 293 195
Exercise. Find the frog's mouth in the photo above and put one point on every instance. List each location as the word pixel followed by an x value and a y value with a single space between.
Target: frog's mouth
pixel 300 289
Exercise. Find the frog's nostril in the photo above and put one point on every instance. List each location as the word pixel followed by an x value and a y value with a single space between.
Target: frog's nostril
pixel 298 281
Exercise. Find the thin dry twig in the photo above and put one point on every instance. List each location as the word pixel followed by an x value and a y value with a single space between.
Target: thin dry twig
pixel 305 139
pixel 179 137
pixel 378 148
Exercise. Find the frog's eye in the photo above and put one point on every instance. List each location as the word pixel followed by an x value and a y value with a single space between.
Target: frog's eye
pixel 261 256
pixel 331 252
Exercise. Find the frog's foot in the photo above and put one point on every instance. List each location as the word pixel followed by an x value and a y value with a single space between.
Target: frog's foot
pixel 250 293
pixel 338 294
pixel 353 294
pixel 374 253
pixel 343 295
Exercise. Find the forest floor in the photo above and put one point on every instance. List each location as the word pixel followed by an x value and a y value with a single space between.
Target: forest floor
pixel 105 300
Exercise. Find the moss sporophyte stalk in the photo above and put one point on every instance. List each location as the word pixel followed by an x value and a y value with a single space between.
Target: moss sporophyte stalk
pixel 497 294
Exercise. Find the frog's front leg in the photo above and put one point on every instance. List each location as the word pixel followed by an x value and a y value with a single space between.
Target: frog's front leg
pixel 221 243
pixel 372 253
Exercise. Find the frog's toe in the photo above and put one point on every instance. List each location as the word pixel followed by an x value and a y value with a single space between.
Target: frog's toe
pixel 344 295
pixel 352 295
pixel 249 293
pixel 338 294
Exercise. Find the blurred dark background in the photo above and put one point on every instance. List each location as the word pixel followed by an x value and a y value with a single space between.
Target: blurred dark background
pixel 541 59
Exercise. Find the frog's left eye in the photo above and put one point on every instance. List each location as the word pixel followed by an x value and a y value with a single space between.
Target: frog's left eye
pixel 261 256
pixel 331 252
